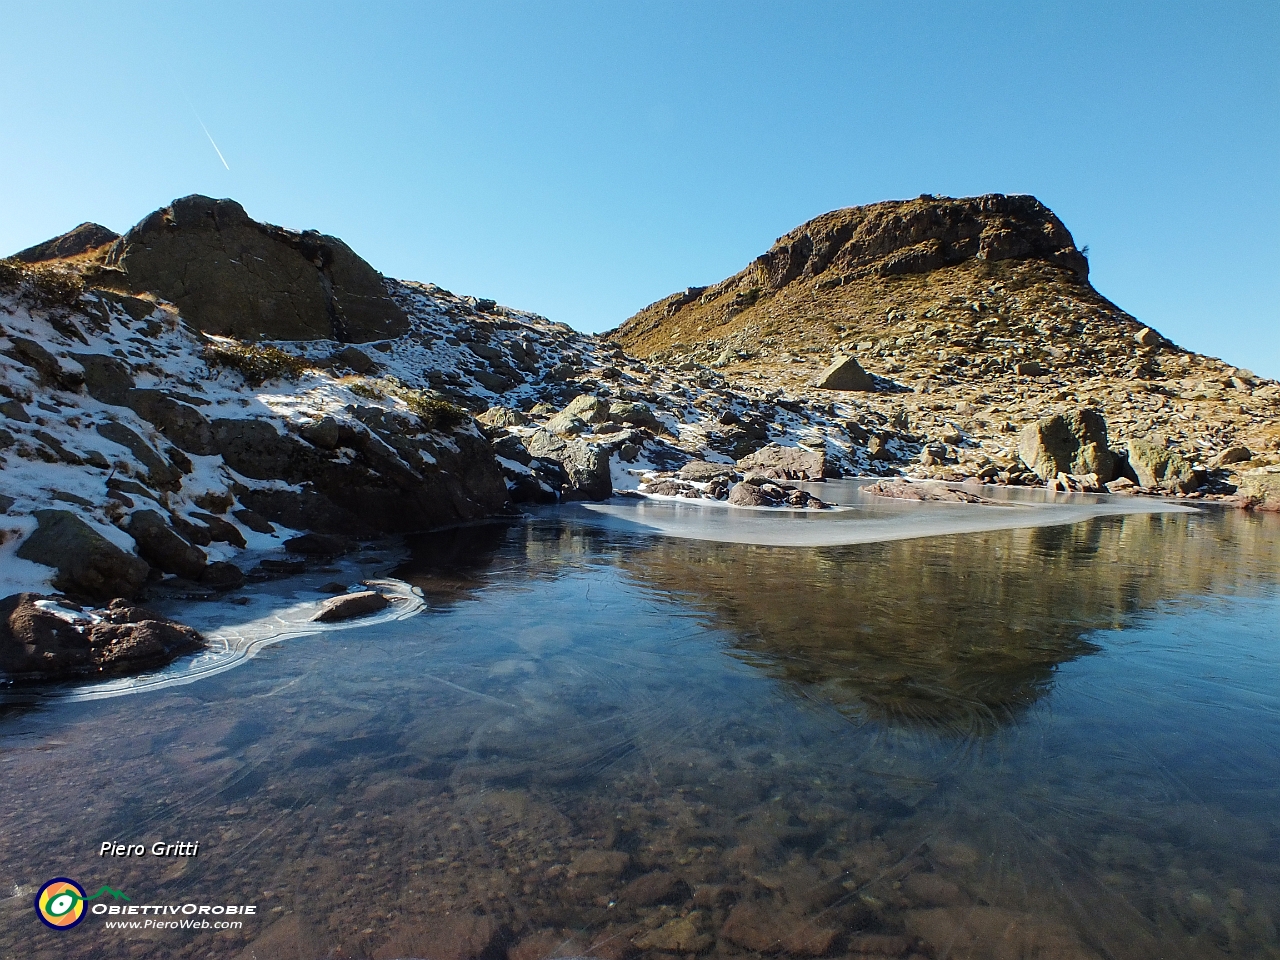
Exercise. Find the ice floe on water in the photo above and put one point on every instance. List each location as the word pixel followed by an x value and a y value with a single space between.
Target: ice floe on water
pixel 859 518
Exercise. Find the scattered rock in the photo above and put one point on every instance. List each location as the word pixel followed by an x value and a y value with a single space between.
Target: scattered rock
pixel 88 564
pixel 223 575
pixel 1231 455
pixel 748 495
pixel 350 605
pixel 163 548
pixel 657 886
pixel 182 424
pixel 702 471
pixel 106 379
pixel 607 863
pixel 502 417
pixel 458 936
pixel 355 359
pixel 320 545
pixel 681 935
pixel 322 433
pixel 587 469
pixel 845 374
pixel 253 521
pixel 633 414
pixel 160 473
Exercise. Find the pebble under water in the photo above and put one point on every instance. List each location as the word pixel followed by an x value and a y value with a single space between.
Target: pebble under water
pixel 1053 742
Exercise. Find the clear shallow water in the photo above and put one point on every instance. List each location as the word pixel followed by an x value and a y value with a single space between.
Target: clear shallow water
pixel 1049 742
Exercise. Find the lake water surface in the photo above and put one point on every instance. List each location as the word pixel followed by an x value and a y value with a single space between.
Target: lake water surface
pixel 596 738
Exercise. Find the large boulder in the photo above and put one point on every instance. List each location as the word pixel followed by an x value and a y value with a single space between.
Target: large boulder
pixel 48 638
pixel 587 468
pixel 1156 466
pixel 163 548
pixel 1260 488
pixel 633 413
pixel 845 374
pixel 786 463
pixel 88 564
pixel 1072 443
pixel 588 408
pixel 233 276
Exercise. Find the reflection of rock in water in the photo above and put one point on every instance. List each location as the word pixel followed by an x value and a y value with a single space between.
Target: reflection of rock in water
pixel 953 632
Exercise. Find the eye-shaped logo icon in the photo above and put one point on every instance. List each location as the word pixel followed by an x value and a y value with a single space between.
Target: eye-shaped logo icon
pixel 60 903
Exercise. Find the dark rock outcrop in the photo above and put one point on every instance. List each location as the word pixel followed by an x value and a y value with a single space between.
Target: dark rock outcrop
pixel 388 487
pixel 57 640
pixel 233 276
pixel 73 243
pixel 88 564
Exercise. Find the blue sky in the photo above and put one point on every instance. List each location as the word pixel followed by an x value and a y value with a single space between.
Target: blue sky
pixel 584 160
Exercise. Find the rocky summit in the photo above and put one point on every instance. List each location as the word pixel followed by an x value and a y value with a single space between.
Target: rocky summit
pixel 177 400
pixel 935 331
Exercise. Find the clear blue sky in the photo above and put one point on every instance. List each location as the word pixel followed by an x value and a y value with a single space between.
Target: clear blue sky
pixel 584 160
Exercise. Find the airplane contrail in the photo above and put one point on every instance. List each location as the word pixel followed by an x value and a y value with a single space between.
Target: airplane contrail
pixel 207 133
pixel 210 136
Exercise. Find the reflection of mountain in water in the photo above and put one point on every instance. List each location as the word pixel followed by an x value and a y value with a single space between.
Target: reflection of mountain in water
pixel 956 632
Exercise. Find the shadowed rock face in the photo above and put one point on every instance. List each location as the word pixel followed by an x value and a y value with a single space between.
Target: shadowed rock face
pixel 233 276
pixel 73 243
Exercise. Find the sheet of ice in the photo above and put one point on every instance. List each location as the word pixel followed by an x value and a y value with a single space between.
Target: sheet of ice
pixel 864 519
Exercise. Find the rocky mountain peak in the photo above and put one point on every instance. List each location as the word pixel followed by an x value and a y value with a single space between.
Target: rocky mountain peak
pixel 84 239
pixel 917 236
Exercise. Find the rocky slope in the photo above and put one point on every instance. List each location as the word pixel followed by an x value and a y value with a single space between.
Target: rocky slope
pixel 973 319
pixel 183 398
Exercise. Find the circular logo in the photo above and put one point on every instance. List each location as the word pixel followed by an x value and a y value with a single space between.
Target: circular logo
pixel 60 903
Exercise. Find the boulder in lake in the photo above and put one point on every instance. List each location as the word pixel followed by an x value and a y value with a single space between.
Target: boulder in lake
pixel 348 606
pixel 1072 443
pixel 87 563
pixel 787 463
pixel 845 373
